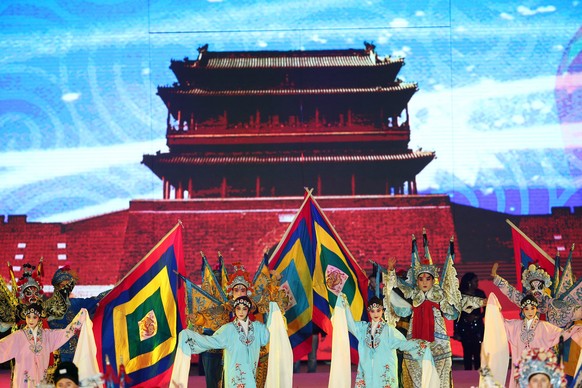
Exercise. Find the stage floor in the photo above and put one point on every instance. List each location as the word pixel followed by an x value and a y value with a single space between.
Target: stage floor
pixel 461 378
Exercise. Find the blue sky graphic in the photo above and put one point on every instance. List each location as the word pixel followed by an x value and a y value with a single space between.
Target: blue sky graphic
pixel 78 103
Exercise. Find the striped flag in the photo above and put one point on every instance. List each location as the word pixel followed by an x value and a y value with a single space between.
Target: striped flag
pixel 137 323
pixel 316 266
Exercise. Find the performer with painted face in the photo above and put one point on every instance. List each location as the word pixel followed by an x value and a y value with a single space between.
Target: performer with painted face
pixel 241 341
pixel 560 311
pixel 64 281
pixel 525 334
pixel 537 368
pixel 213 307
pixel 32 345
pixel 432 301
pixel 377 344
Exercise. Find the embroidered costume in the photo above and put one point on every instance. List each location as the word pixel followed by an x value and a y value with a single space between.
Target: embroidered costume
pixel 241 342
pixel 212 307
pixel 377 344
pixel 31 349
pixel 560 311
pixel 63 281
pixel 527 334
pixel 428 310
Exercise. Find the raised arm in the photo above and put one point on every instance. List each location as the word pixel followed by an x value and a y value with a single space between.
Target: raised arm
pixel 352 328
pixel 507 289
pixel 57 338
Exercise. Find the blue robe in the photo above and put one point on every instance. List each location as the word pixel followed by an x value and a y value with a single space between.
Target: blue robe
pixel 241 352
pixel 378 366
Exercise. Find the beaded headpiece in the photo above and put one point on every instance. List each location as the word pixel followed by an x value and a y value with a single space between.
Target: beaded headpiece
pixel 33 308
pixel 375 303
pixel 533 272
pixel 240 276
pixel 528 300
pixel 539 361
pixel 245 301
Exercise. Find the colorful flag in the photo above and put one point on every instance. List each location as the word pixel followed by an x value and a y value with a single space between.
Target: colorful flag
pixel 210 282
pixel 223 272
pixel 294 260
pixel 197 298
pixel 526 252
pixel 316 266
pixel 566 280
pixel 137 323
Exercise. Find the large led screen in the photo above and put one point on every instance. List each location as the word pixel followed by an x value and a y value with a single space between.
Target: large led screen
pixel 499 100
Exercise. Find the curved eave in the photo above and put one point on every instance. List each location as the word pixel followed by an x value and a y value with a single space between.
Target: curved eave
pixel 191 160
pixel 167 91
pixel 287 62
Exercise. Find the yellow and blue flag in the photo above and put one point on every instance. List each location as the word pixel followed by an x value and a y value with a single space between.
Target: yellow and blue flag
pixel 137 323
pixel 210 282
pixel 315 266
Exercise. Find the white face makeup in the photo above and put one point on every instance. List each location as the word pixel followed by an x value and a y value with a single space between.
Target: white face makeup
pixel 376 314
pixel 241 311
pixel 31 320
pixel 425 281
pixel 529 311
pixel 239 290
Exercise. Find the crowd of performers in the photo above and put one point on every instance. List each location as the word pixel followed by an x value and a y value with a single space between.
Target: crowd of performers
pixel 44 330
pixel 240 333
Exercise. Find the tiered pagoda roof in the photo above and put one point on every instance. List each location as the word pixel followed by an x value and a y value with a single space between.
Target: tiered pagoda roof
pixel 291 114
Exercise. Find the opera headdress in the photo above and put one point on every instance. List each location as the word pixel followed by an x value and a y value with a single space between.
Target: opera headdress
pixel 240 276
pixel 528 300
pixel 375 302
pixel 33 308
pixel 29 286
pixel 539 361
pixel 424 265
pixel 532 273
pixel 244 300
pixel 64 274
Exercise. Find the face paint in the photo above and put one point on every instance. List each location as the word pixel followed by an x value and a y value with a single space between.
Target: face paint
pixel 239 290
pixel 530 311
pixel 425 281
pixel 376 314
pixel 241 312
pixel 537 288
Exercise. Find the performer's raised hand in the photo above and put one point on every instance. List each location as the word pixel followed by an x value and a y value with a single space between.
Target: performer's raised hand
pixel 494 269
pixel 391 263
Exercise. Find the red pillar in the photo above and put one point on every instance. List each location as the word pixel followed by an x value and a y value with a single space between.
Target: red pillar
pixel 223 188
pixel 166 188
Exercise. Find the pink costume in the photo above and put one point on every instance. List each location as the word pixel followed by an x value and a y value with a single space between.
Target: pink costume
pixel 32 357
pixel 540 335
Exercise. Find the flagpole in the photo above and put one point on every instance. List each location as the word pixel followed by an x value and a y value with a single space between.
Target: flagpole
pixel 335 233
pixel 284 238
pixel 163 240
pixel 540 250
